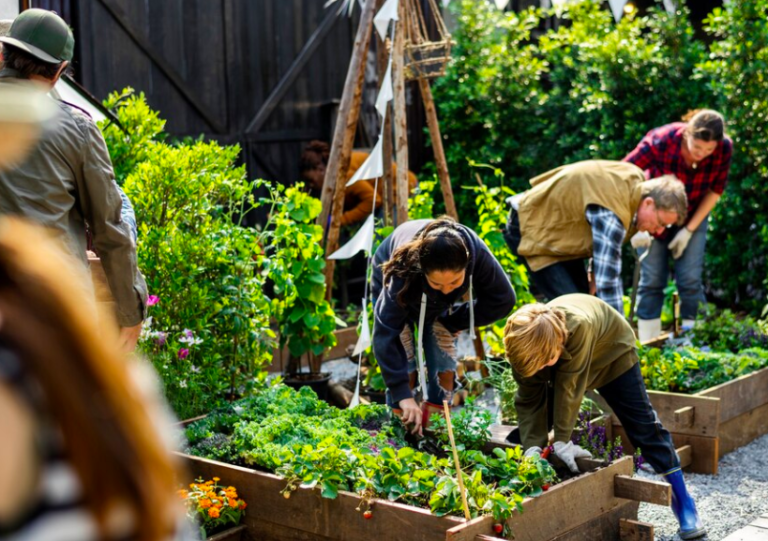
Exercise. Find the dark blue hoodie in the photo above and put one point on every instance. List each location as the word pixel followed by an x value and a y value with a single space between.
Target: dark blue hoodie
pixel 493 296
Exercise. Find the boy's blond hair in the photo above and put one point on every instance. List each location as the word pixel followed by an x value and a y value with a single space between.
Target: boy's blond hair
pixel 533 336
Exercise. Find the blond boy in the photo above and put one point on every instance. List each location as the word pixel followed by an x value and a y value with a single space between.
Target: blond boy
pixel 575 343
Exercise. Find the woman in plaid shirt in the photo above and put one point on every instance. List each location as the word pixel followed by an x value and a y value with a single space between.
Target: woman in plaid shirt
pixel 699 154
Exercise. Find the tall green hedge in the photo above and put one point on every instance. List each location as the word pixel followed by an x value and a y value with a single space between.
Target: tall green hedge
pixel 593 88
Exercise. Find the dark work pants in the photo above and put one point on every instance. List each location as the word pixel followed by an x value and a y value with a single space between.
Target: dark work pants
pixel 554 280
pixel 627 397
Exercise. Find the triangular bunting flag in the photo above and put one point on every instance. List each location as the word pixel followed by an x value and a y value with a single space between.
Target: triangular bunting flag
pixel 373 167
pixel 387 13
pixel 617 7
pixel 363 240
pixel 364 341
pixel 386 93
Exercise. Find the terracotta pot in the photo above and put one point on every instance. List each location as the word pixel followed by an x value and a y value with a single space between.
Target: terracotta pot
pixel 232 534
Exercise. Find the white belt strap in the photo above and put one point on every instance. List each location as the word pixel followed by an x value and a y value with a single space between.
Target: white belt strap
pixel 471 310
pixel 420 346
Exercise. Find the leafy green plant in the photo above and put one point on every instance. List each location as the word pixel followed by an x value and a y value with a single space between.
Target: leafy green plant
pixel 471 426
pixel 725 331
pixel 421 202
pixel 294 259
pixel 209 335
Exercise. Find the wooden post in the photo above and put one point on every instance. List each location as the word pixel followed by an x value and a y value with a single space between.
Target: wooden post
pixel 437 147
pixel 386 182
pixel 343 139
pixel 401 127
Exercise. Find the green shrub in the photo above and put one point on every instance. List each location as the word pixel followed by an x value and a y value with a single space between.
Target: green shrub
pixel 209 332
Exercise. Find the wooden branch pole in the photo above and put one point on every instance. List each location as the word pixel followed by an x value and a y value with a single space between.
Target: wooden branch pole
pixel 343 139
pixel 401 127
pixel 437 148
pixel 385 182
pixel 456 460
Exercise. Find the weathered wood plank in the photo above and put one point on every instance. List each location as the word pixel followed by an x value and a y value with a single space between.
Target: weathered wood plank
pixel 741 430
pixel 606 526
pixel 642 490
pixel 704 452
pixel 740 395
pixel 634 530
pixel 686 456
pixel 706 413
pixel 317 517
pixel 684 416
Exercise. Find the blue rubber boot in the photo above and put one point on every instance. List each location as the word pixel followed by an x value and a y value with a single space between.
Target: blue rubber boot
pixel 684 508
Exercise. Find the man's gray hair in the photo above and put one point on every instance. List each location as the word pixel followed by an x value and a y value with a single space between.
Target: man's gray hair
pixel 668 193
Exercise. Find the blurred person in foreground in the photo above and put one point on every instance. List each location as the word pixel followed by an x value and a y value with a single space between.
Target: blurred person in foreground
pixel 83 452
pixel 67 183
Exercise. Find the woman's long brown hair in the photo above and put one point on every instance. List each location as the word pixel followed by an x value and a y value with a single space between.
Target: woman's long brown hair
pixel 108 429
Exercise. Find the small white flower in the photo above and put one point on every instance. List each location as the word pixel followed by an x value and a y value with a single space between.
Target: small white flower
pixel 195 369
pixel 183 384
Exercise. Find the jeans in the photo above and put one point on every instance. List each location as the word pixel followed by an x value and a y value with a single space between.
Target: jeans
pixel 688 269
pixel 440 355
pixel 552 281
pixel 627 397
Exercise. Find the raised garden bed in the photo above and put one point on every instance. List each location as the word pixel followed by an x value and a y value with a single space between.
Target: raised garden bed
pixel 589 506
pixel 712 421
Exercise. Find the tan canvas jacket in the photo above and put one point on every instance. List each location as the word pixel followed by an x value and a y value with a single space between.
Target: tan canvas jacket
pixel 553 223
pixel 67 182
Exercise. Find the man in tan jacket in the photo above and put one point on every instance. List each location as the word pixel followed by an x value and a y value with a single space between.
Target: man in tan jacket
pixel 67 183
pixel 588 209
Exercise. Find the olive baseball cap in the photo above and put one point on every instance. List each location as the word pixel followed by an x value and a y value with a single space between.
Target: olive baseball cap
pixel 43 34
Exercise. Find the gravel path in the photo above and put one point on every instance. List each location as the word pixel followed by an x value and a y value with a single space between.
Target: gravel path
pixel 728 501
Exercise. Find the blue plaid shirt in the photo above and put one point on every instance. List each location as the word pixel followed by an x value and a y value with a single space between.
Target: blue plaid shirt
pixel 607 236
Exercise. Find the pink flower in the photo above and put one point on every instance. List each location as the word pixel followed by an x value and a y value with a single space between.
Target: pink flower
pixel 152 300
pixel 183 353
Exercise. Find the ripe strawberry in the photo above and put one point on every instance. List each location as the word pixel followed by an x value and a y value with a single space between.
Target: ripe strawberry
pixel 498 528
pixel 368 514
pixel 545 487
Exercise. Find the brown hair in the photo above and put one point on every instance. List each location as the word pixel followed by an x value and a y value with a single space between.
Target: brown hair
pixel 533 336
pixel 27 65
pixel 315 154
pixel 705 125
pixel 668 194
pixel 88 387
pixel 440 246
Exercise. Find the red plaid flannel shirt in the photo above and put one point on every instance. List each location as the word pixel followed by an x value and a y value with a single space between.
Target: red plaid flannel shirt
pixel 659 153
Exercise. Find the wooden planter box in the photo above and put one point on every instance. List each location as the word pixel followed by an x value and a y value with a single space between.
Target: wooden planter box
pixel 596 505
pixel 714 421
pixel 232 534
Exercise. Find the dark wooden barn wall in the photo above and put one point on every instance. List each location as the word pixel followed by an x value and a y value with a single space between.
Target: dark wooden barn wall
pixel 229 54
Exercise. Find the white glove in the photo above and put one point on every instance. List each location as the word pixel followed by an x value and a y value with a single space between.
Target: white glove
pixel 641 239
pixel 533 451
pixel 680 242
pixel 569 452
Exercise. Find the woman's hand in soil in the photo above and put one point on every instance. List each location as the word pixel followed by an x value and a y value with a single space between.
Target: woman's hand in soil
pixel 411 415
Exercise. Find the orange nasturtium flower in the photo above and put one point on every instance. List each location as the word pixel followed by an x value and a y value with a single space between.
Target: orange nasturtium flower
pixel 233 503
pixel 205 503
pixel 213 512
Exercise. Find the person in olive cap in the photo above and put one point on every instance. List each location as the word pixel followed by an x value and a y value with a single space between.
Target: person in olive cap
pixel 67 181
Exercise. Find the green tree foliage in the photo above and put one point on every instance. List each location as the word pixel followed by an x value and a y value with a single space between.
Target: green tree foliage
pixel 736 71
pixel 592 88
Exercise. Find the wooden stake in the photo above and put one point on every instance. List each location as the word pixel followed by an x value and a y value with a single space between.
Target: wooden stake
pixel 386 182
pixel 456 460
pixel 401 127
pixel 343 139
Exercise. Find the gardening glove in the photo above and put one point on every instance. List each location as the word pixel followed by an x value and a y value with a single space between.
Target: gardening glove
pixel 569 452
pixel 641 239
pixel 533 452
pixel 680 242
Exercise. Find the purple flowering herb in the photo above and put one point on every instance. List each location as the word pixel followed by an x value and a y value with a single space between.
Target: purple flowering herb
pixel 161 338
pixel 183 353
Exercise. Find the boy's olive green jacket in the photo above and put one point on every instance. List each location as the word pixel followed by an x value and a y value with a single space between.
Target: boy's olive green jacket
pixel 600 347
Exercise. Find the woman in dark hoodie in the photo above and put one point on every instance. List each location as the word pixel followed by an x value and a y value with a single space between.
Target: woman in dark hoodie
pixel 420 272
